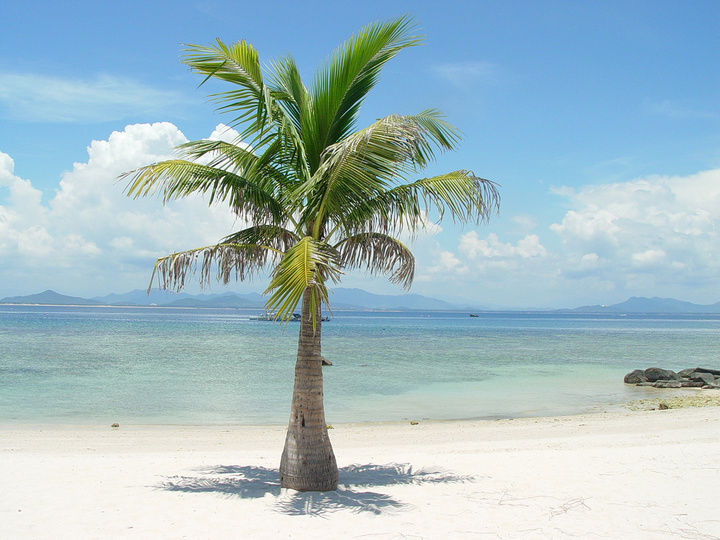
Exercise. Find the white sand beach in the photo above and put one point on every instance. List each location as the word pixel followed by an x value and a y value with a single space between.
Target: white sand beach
pixel 641 474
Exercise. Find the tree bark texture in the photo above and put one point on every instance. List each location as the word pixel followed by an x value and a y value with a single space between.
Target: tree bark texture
pixel 308 462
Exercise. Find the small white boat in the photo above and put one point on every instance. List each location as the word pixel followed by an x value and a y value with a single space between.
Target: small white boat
pixel 269 316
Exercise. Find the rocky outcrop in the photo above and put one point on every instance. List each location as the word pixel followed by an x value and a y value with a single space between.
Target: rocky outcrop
pixel 666 378
pixel 636 377
pixel 655 374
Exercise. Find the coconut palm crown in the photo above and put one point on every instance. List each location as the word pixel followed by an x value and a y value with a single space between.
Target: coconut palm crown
pixel 316 195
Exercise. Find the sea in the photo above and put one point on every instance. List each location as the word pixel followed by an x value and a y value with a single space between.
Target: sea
pixel 63 365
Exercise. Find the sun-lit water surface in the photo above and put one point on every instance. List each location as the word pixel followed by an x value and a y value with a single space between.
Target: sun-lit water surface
pixel 193 366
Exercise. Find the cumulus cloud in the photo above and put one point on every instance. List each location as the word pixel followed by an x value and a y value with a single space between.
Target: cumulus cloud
pixel 89 231
pixel 492 249
pixel 446 263
pixel 479 261
pixel 655 236
pixel 43 98
pixel 659 230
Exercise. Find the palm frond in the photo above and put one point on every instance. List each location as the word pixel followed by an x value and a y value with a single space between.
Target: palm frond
pixel 369 162
pixel 466 197
pixel 273 236
pixel 344 80
pixel 379 254
pixel 179 178
pixel 237 64
pixel 242 261
pixel 306 265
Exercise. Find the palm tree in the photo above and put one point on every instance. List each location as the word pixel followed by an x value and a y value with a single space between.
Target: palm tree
pixel 316 196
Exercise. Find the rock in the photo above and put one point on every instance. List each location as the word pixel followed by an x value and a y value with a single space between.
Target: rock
pixel 115 425
pixel 645 383
pixel 685 373
pixel 663 406
pixel 667 384
pixel 326 362
pixel 654 374
pixel 692 384
pixel 705 378
pixel 711 371
pixel 637 376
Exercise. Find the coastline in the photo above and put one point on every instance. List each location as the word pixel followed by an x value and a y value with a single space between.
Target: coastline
pixel 649 474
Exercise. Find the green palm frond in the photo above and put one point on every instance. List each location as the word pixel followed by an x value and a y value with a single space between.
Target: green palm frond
pixel 242 261
pixel 466 197
pixel 379 254
pixel 287 83
pixel 251 100
pixel 179 178
pixel 367 163
pixel 306 265
pixel 344 80
pixel 270 170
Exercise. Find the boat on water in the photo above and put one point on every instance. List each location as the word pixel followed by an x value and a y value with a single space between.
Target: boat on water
pixel 474 315
pixel 270 316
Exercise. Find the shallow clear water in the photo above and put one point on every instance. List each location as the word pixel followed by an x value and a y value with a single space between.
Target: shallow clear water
pixel 191 366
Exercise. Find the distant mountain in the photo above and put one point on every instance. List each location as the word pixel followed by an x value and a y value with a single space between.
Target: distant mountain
pixel 170 299
pixel 49 297
pixel 227 300
pixel 641 304
pixel 140 298
pixel 340 299
pixel 358 299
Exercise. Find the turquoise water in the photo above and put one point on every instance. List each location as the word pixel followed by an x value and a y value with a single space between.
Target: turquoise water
pixel 63 365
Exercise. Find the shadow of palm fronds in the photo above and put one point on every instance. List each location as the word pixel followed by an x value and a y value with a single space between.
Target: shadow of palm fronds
pixel 257 482
pixel 394 474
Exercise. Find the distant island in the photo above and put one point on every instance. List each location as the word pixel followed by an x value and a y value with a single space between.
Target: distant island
pixel 342 299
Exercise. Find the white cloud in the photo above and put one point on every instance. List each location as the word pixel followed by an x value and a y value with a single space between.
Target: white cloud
pixel 448 263
pixel 89 233
pixel 649 257
pixel 42 98
pixel 656 236
pixel 478 249
pixel 653 232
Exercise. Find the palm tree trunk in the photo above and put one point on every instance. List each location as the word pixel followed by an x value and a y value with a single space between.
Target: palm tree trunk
pixel 308 462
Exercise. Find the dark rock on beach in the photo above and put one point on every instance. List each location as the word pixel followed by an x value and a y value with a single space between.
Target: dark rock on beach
pixel 654 374
pixel 667 384
pixel 635 377
pixel 666 378
pixel 699 376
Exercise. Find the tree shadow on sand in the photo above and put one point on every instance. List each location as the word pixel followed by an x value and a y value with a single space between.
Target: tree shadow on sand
pixel 257 482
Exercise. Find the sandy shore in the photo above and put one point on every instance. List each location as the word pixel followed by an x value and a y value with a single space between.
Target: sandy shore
pixel 643 474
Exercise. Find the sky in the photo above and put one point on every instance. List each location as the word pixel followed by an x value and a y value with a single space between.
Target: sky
pixel 600 121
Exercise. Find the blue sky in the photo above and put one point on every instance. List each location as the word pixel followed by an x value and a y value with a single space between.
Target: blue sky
pixel 600 121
